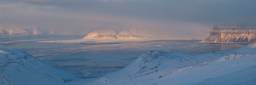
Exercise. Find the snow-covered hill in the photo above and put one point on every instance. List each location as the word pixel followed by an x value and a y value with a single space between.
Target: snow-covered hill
pixel 233 67
pixel 101 37
pixel 20 68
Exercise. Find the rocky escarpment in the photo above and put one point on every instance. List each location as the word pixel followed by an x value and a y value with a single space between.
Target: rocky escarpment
pixel 232 35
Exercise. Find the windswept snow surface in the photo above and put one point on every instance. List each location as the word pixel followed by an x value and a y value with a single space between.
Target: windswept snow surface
pixel 20 68
pixel 232 67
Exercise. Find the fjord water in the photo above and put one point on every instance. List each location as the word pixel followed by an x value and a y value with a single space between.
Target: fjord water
pixel 93 60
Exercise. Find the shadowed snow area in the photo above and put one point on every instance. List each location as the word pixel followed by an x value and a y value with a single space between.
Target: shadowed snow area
pixel 20 68
pixel 231 67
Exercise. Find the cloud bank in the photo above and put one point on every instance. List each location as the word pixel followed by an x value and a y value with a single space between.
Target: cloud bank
pixel 172 19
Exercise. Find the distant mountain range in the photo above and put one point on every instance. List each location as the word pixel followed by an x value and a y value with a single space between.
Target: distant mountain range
pixel 23 31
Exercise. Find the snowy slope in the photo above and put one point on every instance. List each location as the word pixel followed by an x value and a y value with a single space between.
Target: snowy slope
pixel 20 68
pixel 234 67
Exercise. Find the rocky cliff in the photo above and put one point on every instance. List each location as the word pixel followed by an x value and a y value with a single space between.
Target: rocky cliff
pixel 232 35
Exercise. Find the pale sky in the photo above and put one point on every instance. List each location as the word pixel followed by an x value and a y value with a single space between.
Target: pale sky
pixel 171 19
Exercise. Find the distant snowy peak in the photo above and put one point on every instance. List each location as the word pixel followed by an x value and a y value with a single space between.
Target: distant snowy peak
pixel 19 68
pixel 112 37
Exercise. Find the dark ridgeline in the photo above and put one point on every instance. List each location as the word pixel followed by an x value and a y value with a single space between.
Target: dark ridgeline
pixel 232 34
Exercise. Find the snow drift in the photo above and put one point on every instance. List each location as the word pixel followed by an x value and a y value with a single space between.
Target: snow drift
pixel 233 67
pixel 20 68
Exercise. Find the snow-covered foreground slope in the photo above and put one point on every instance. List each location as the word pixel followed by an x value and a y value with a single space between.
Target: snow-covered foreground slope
pixel 157 67
pixel 20 68
pixel 233 67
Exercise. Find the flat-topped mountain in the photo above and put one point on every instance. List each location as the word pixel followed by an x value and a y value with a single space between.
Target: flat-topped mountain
pixel 112 37
pixel 232 34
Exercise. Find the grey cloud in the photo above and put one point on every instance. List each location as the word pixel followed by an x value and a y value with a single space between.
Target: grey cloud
pixel 210 11
pixel 166 16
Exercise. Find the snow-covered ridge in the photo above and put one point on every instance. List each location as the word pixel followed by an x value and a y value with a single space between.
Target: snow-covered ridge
pixel 19 68
pixel 112 37
pixel 102 38
pixel 165 68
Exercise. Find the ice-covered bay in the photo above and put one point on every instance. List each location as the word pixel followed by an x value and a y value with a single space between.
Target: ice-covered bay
pixel 93 60
pixel 133 63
